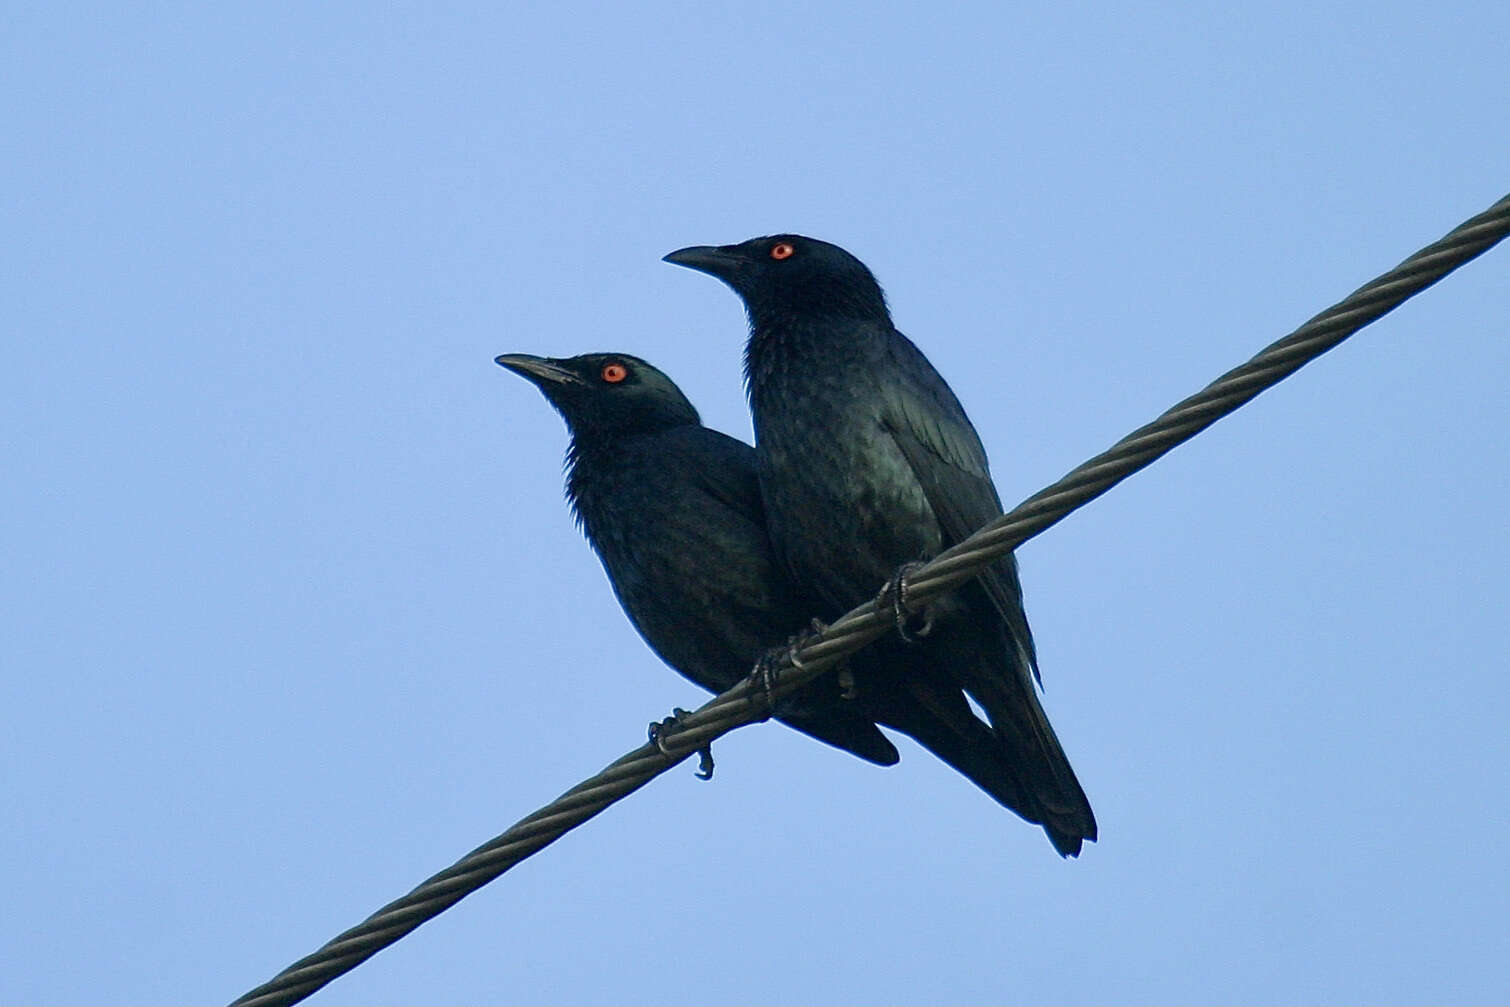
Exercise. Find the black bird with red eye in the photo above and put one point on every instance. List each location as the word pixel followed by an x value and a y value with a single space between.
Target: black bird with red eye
pixel 673 511
pixel 867 463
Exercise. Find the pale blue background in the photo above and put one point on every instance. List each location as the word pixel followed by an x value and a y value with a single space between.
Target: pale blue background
pixel 293 613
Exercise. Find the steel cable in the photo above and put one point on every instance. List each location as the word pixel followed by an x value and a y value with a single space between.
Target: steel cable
pixel 750 700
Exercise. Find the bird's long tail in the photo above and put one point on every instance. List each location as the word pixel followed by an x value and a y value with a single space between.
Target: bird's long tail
pixel 1031 750
pixel 1022 768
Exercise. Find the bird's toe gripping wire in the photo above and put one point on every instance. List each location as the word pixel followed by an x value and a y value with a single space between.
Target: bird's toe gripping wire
pixel 661 730
pixel 766 667
pixel 893 596
pixel 772 660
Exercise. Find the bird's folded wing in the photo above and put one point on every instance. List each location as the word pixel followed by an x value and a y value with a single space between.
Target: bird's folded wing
pixel 931 430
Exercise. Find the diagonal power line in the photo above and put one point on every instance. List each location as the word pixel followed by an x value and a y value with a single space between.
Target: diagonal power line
pixel 750 701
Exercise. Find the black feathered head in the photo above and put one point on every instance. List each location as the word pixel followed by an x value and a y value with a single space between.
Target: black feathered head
pixel 605 393
pixel 788 277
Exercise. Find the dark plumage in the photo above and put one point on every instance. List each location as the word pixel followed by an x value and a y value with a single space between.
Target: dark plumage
pixel 673 511
pixel 866 462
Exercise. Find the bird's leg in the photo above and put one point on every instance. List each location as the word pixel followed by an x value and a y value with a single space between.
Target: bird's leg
pixel 894 596
pixel 660 729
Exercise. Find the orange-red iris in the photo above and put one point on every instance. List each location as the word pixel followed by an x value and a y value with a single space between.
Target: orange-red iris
pixel 614 373
pixel 782 251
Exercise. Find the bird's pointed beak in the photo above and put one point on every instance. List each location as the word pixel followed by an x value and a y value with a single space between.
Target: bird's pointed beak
pixel 539 370
pixel 711 259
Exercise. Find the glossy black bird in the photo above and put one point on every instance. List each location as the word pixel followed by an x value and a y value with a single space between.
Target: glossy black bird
pixel 867 462
pixel 673 511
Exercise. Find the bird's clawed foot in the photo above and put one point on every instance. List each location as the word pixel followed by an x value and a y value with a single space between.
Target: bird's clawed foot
pixel 764 675
pixel 893 596
pixel 660 730
pixel 774 659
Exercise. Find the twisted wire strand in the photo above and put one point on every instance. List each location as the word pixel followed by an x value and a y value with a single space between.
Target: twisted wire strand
pixel 751 700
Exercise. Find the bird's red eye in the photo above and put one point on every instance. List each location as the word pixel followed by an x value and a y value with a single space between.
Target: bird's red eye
pixel 614 373
pixel 784 250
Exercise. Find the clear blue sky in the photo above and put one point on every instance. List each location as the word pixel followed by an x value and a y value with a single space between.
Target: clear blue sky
pixel 293 614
